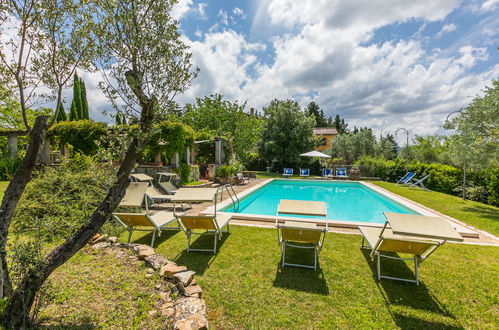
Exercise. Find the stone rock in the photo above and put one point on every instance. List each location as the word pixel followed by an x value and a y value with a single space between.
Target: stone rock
pixel 101 245
pixel 101 238
pixel 184 277
pixel 113 239
pixel 143 251
pixel 171 269
pixel 190 313
pixel 156 261
pixel 165 296
pixel 121 254
pixel 180 287
pixel 193 291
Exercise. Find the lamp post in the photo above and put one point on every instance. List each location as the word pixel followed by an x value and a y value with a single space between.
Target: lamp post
pixel 406 143
pixel 464 156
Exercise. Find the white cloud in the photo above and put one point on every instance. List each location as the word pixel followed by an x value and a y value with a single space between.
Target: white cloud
pixel 489 5
pixel 185 7
pixel 181 9
pixel 325 59
pixel 239 12
pixel 446 29
pixel 224 17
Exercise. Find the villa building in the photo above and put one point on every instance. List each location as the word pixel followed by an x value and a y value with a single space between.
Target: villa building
pixel 326 134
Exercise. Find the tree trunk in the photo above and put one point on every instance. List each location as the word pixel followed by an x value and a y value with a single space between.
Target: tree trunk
pixel 19 306
pixel 13 193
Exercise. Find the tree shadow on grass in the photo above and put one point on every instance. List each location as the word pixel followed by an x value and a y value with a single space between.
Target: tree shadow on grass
pixel 83 322
pixel 199 261
pixel 301 279
pixel 483 211
pixel 165 235
pixel 406 294
pixel 410 322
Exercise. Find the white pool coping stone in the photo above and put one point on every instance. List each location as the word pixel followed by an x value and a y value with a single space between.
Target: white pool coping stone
pixel 462 228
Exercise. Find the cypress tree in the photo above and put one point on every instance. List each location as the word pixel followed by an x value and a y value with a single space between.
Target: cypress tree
pixel 73 113
pixel 118 119
pixel 84 103
pixel 77 97
pixel 61 116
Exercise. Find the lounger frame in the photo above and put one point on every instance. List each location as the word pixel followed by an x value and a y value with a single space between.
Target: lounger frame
pixel 417 259
pixel 316 247
pixel 217 232
pixel 156 230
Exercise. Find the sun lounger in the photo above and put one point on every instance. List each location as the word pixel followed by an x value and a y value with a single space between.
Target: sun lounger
pixel 300 235
pixel 415 235
pixel 327 173
pixel 241 179
pixel 288 172
pixel 341 173
pixel 141 177
pixel 155 196
pixel 209 224
pixel 135 195
pixel 168 187
pixel 406 178
pixel 304 172
pixel 419 183
pixel 145 222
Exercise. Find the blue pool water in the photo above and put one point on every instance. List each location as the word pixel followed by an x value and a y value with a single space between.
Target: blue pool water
pixel 347 201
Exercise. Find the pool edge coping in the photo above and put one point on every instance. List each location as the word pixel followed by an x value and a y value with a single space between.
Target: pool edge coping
pixel 464 229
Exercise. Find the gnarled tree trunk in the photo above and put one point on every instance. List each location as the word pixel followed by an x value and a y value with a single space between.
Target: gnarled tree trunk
pixel 17 312
pixel 13 193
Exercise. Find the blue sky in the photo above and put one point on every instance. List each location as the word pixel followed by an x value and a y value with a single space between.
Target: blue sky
pixel 378 63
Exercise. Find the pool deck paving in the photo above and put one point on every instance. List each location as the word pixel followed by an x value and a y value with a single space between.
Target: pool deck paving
pixel 470 234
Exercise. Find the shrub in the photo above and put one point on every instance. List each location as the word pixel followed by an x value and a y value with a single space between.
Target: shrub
pixel 82 134
pixel 493 186
pixel 184 170
pixel 8 165
pixel 58 201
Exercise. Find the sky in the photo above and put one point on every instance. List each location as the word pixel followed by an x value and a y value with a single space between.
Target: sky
pixel 383 64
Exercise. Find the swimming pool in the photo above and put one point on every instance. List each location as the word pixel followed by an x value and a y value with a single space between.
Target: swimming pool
pixel 345 201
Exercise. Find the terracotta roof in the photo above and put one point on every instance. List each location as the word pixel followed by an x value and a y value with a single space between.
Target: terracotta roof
pixel 325 131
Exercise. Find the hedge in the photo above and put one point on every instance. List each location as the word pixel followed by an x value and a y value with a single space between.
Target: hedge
pixel 81 134
pixel 442 178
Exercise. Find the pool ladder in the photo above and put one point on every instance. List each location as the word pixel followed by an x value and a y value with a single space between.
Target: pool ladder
pixel 232 194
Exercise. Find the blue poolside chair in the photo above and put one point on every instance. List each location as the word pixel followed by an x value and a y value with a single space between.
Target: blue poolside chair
pixel 419 183
pixel 406 178
pixel 288 172
pixel 304 172
pixel 341 173
pixel 327 173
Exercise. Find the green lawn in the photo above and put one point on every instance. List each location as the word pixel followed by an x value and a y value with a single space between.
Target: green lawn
pixel 3 186
pixel 481 216
pixel 244 286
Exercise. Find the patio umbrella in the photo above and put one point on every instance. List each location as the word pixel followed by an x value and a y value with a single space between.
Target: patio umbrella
pixel 315 154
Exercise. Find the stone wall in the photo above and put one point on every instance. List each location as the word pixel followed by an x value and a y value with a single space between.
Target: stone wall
pixel 181 296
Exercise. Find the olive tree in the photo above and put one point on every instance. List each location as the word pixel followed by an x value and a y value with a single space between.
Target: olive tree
pixel 145 65
pixel 42 44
